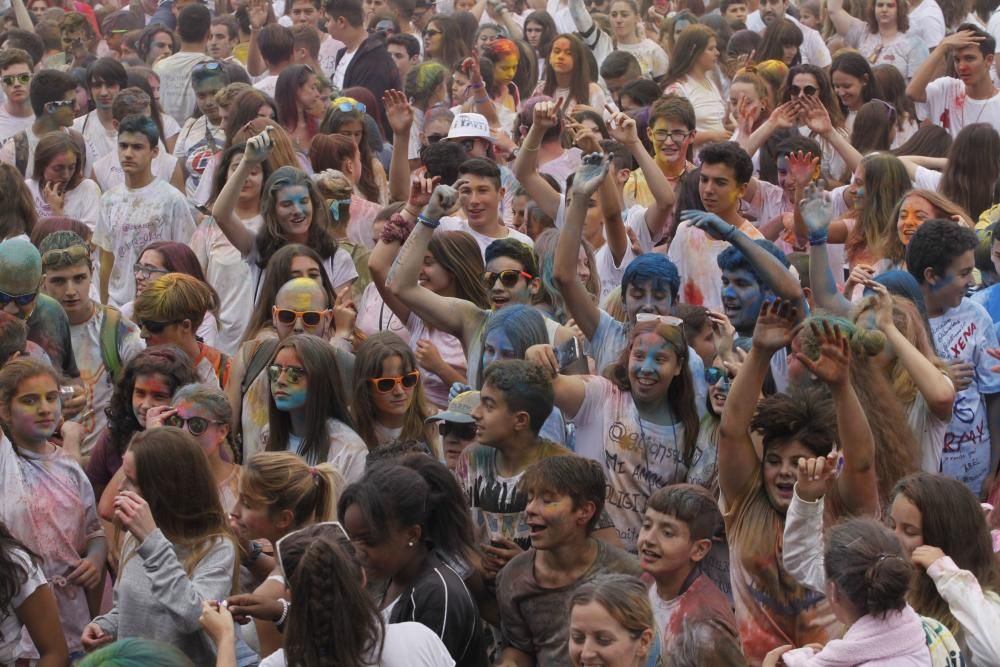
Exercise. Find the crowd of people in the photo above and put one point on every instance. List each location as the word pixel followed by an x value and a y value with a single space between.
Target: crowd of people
pixel 499 332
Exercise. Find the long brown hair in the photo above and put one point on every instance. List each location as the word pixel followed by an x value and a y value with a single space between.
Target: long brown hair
pixel 680 394
pixel 271 238
pixel 458 254
pixel 579 83
pixel 895 251
pixel 51 146
pixel 885 182
pixel 17 206
pixel 15 372
pixel 174 478
pixel 972 173
pixel 689 46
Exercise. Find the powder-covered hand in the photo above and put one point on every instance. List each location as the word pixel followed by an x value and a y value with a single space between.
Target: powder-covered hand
pixel 817 212
pixel 590 174
pixel 442 201
pixel 710 223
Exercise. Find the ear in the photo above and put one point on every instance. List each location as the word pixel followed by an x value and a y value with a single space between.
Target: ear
pixel 522 421
pixel 585 513
pixel 114 124
pixel 645 643
pixel 624 175
pixel 187 325
pixel 700 549
pixel 930 277
pixel 649 133
pixel 155 149
pixel 535 285
pixel 5 408
pixel 413 535
pixel 284 520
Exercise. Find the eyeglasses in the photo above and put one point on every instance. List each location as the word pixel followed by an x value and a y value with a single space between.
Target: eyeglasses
pixel 292 373
pixel 52 107
pixel 389 384
pixel 156 326
pixel 337 531
pixel 310 318
pixel 434 138
pixel 347 104
pixel 65 256
pixel 22 79
pixel 676 136
pixel 808 91
pixel 144 271
pixel 467 144
pixel 194 425
pixel 714 376
pixel 461 431
pixel 18 299
pixel 431 33
pixel 507 278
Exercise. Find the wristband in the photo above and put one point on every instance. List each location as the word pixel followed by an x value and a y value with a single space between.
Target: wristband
pixel 255 551
pixel 427 222
pixel 817 237
pixel 477 85
pixel 285 606
pixel 480 100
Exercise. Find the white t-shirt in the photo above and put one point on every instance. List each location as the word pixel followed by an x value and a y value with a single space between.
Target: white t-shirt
pixel 340 71
pixel 905 51
pixel 11 125
pixel 993 27
pixel 696 253
pixel 652 58
pixel 339 269
pixel 927 23
pixel 965 333
pixel 559 11
pixel 348 452
pixel 82 203
pixel 927 179
pixel 108 170
pixel 813 49
pixel 132 219
pixel 609 273
pixel 949 106
pixel 196 145
pixel 86 339
pixel 460 225
pixel 10 625
pixel 328 49
pixel 709 107
pixel 101 140
pixel 267 84
pixel 8 153
pixel 407 644
pixel 177 97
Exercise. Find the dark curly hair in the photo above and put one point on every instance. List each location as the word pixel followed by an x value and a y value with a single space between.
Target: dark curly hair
pixel 169 361
pixel 807 416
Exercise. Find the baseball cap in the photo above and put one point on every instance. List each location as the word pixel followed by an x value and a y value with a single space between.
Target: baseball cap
pixel 459 409
pixel 120 20
pixel 470 126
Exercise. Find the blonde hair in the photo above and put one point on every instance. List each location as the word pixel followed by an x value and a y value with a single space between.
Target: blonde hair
pixel 623 596
pixel 280 481
pixel 895 251
pixel 175 297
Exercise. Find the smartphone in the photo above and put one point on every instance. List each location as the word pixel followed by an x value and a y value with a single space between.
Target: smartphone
pixel 571 359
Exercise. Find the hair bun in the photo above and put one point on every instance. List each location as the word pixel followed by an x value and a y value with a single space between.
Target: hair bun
pixel 888 580
pixel 868 342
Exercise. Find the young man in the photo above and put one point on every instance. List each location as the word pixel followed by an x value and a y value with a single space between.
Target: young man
pixel 940 256
pixel 306 51
pixel 813 49
pixel 143 210
pixel 364 60
pixel 79 40
pixel 674 541
pixel 457 426
pixel 103 340
pixel 619 69
pixel 223 36
pixel 672 132
pixel 277 48
pixel 202 138
pixel 405 52
pixel 472 132
pixel 176 94
pixel 15 75
pixel 734 11
pixel 53 99
pixel 565 497
pixel 106 77
pixel 480 193
pixel 108 170
pixel 309 12
pixel 971 98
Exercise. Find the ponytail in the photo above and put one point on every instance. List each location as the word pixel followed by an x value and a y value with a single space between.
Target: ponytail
pixel 448 523
pixel 865 560
pixel 282 481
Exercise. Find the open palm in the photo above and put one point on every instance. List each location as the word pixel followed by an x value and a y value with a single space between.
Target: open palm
pixel 775 325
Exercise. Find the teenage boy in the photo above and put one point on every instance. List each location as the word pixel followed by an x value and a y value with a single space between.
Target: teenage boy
pixel 674 541
pixel 565 497
pixel 103 340
pixel 143 210
pixel 15 74
pixel 106 77
pixel 308 12
pixel 480 195
pixel 618 70
pixel 202 138
pixel 735 12
pixel 813 48
pixel 972 98
pixel 942 261
pixel 457 426
pixel 472 132
pixel 276 47
pixel 405 52
pixel 176 93
pixel 671 130
pixel 363 61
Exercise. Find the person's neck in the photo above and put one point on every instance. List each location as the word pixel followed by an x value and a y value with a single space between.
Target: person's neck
pixel 298 419
pixel 354 38
pixel 656 410
pixel 192 349
pixel 45 124
pixel 732 215
pixel 983 89
pixel 516 454
pixel 595 238
pixel 106 118
pixel 914 4
pixel 698 73
pixel 41 446
pixel 221 470
pixel 574 557
pixel 563 80
pixel 136 181
pixel 671 168
pixel 247 208
pixel 193 47
pixel 391 421
pixel 19 109
pixel 408 573
pixel 493 228
pixel 934 307
pixel 83 314
pixel 274 69
pixel 629 39
pixel 888 31
pixel 669 585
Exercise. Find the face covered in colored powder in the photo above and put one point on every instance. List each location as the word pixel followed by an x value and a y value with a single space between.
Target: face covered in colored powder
pixel 20 277
pixel 149 391
pixel 648 297
pixel 293 208
pixel 912 213
pixel 213 437
pixel 35 410
pixel 302 301
pixel 742 297
pixel 288 381
pixel 653 364
pixel 497 347
pixel 500 294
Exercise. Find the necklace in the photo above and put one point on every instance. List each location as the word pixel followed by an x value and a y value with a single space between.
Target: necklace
pixel 644 445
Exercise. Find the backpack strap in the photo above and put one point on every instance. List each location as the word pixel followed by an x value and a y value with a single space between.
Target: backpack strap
pixel 257 362
pixel 222 369
pixel 110 339
pixel 21 152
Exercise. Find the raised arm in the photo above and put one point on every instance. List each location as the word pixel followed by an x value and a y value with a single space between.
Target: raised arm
pixel 570 390
pixel 858 483
pixel 22 16
pixel 842 21
pixel 737 457
pixel 816 212
pixel 257 150
pixel 482 103
pixel 782 118
pixel 818 120
pixel 400 116
pixel 260 14
pixel 916 90
pixel 623 129
pixel 458 317
pixel 578 302
pixel 545 116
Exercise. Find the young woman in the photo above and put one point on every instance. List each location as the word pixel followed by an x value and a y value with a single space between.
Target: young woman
pixel 854 82
pixel 810 81
pixel 750 100
pixel 293 212
pixel 58 186
pixel 308 411
pixel 874 127
pixel 971 178
pixel 567 75
pixel 178 552
pixel 389 519
pixel 505 57
pixel 782 41
pixel 692 63
pixel 47 503
pixel 893 88
pixel 149 380
pixel 346 116
pixel 649 393
pixel 223 267
pixel 299 108
pixel 17 205
pixel 549 298
pixel 453 266
pixel 160 258
pixel 625 18
pixel 204 412
pixel 611 622
pixel 882 37
pixel 27 601
pixel 389 401
pixel 443 42
pixel 914 208
pixel 539 32
pixel 867 579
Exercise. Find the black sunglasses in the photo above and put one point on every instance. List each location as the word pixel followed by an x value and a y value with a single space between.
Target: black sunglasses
pixel 808 91
pixel 461 431
pixel 18 299
pixel 156 326
pixel 507 278
pixel 195 425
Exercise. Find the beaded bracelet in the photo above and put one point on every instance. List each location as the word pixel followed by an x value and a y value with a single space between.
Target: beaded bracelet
pixel 285 606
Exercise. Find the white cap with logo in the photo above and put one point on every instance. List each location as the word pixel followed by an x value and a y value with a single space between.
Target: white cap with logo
pixel 470 126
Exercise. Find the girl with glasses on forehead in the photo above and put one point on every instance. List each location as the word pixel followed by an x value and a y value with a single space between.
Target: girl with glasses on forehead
pixel 307 410
pixel 389 401
pixel 346 117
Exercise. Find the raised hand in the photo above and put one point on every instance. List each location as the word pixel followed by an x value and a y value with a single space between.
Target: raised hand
pixel 817 476
pixel 775 326
pixel 585 138
pixel 259 147
pixel 710 223
pixel 546 114
pixel 134 513
pixel 54 195
pixel 421 189
pixel 398 112
pixel 785 116
pixel 815 115
pixel 817 212
pixel 590 174
pixel 926 555
pixel 442 201
pixel 723 332
pixel 834 363
pixel 860 275
pixel 544 356
pixel 622 127
pixel 259 13
pixel 960 40
pixel 471 67
pixel 881 305
pixel 747 112
pixel 802 168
